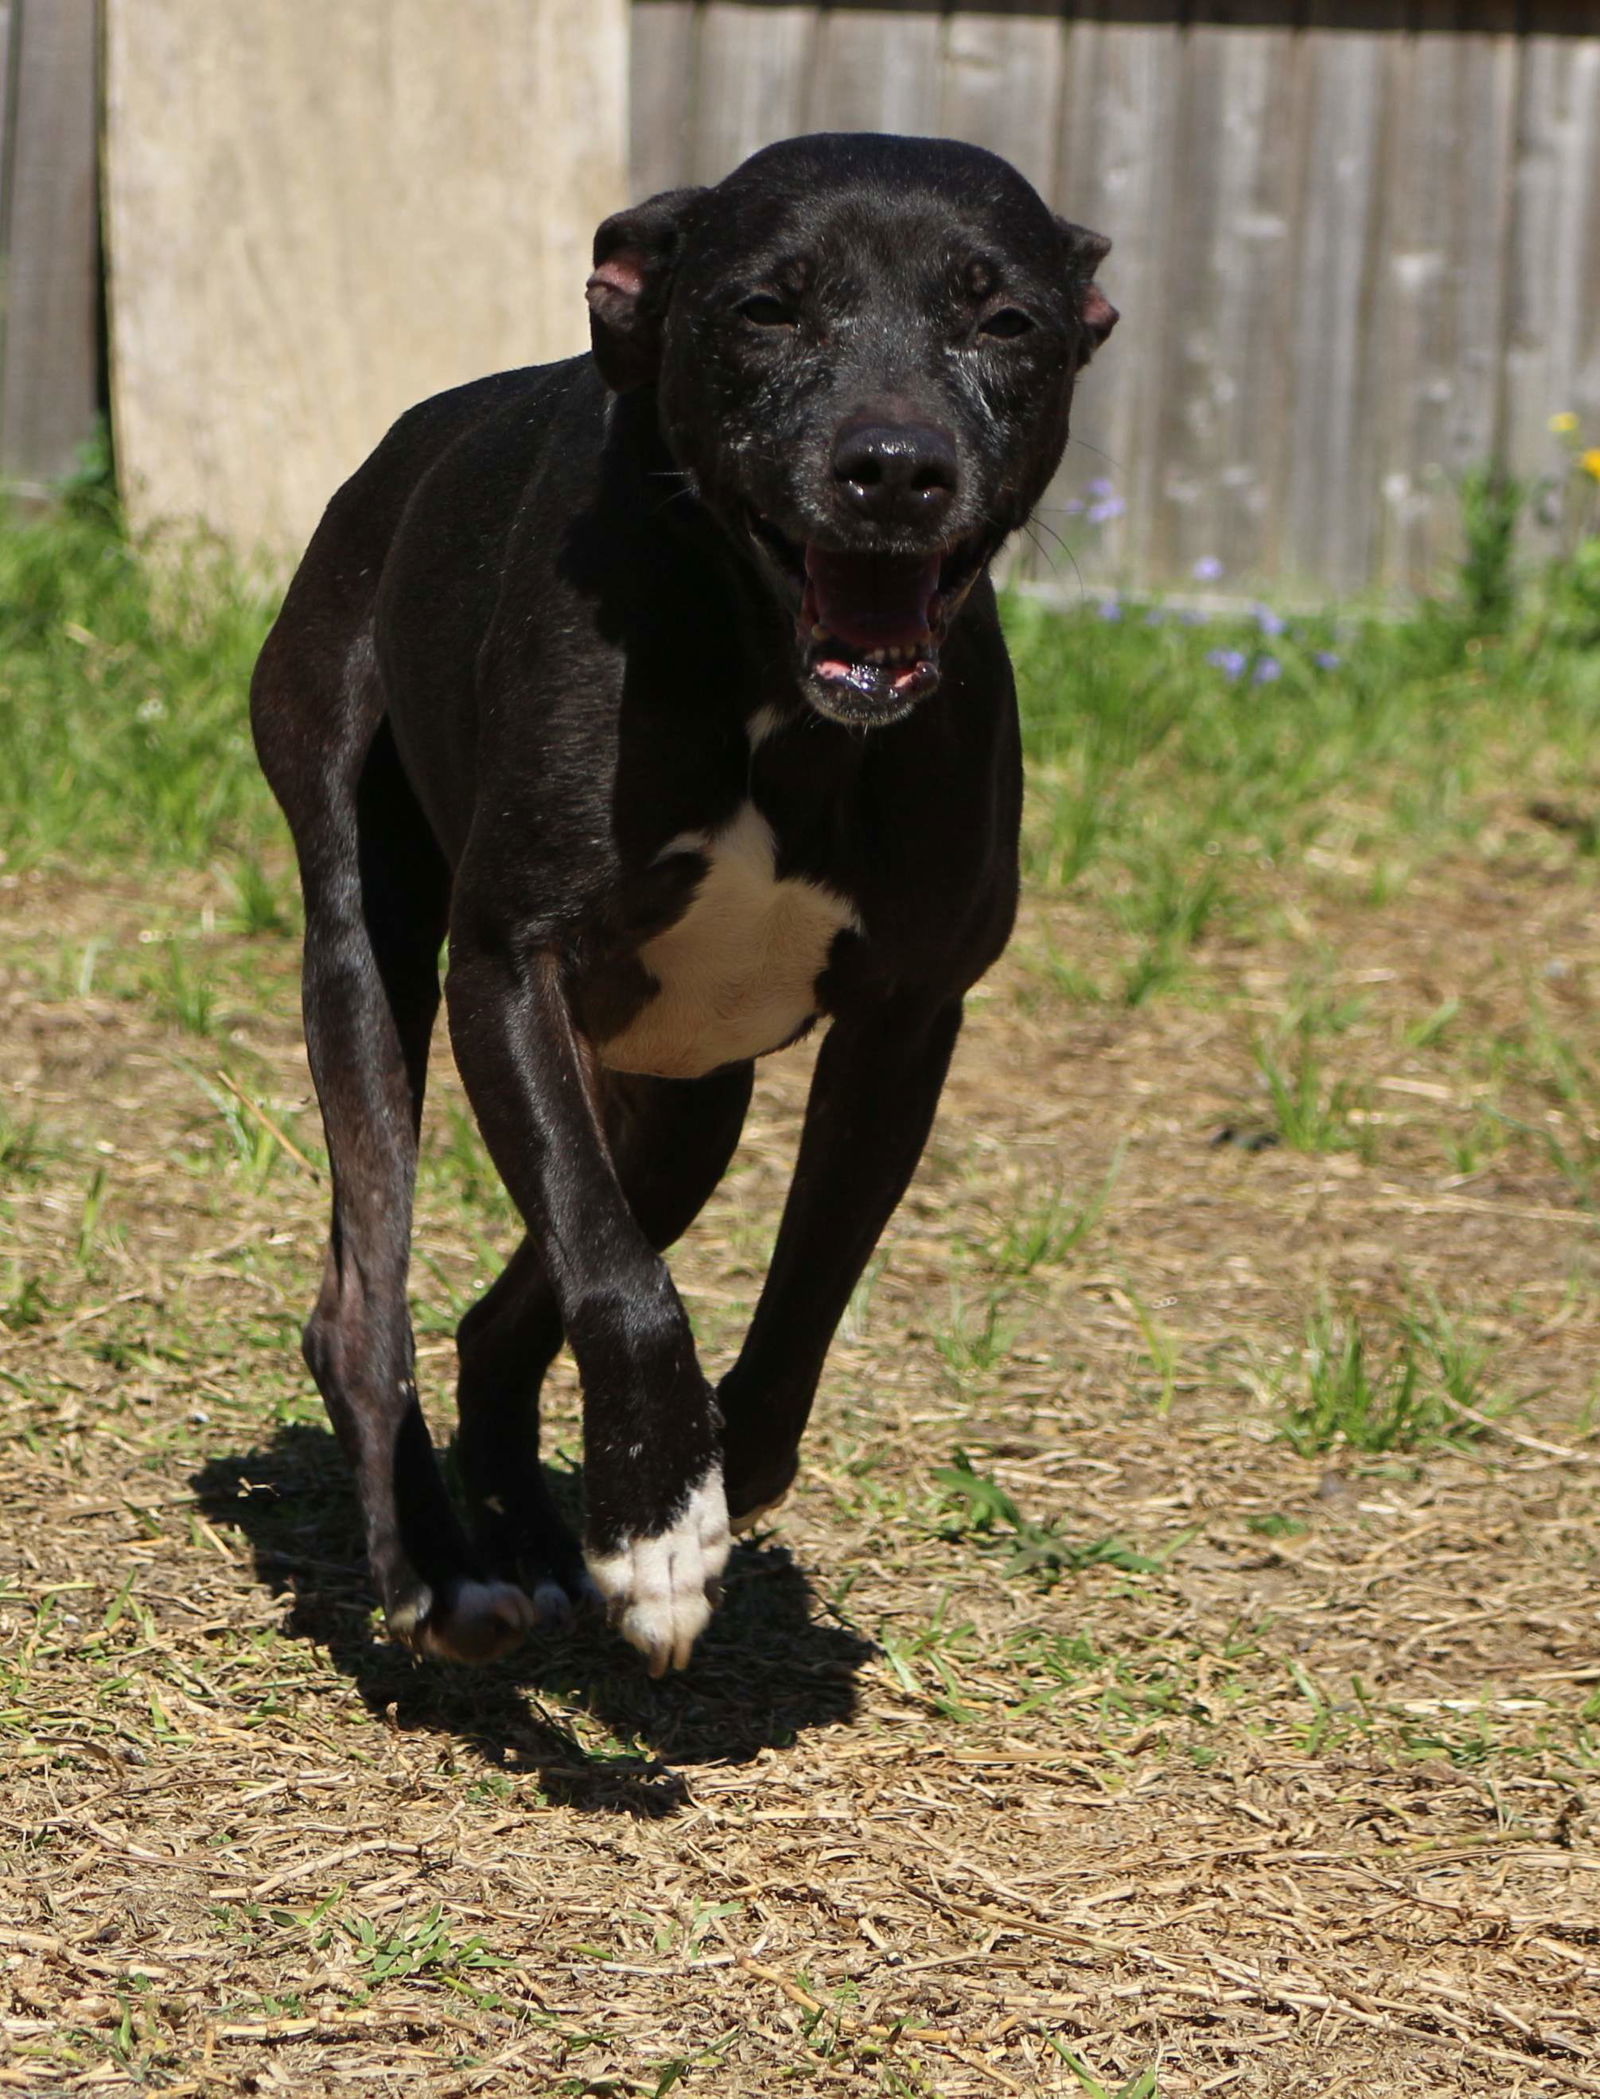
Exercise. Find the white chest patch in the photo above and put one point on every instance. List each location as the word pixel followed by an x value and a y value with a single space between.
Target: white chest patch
pixel 738 972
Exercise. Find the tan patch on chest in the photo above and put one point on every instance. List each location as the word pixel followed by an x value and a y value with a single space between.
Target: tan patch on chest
pixel 738 972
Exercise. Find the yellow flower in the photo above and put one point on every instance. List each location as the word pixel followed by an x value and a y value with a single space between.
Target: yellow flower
pixel 1564 424
pixel 1590 462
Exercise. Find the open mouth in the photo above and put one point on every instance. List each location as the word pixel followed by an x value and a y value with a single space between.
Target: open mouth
pixel 870 625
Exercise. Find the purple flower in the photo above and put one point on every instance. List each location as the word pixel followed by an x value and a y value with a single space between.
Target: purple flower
pixel 1207 569
pixel 1327 659
pixel 1100 486
pixel 1154 616
pixel 1110 608
pixel 1267 620
pixel 1105 510
pixel 1192 616
pixel 1073 506
pixel 1230 660
pixel 1267 671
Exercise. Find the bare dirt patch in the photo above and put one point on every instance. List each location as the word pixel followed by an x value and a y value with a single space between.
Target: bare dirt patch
pixel 1071 1710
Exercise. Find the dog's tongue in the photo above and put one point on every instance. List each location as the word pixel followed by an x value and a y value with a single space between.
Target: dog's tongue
pixel 870 601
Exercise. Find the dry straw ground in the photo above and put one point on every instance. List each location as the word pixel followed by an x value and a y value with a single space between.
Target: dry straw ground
pixel 1163 1739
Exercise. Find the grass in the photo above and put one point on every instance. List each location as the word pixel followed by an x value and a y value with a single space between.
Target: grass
pixel 1163 782
pixel 978 1506
pixel 1045 1231
pixel 122 721
pixel 1312 1109
pixel 1143 2085
pixel 1179 1642
pixel 1416 1380
pixel 1165 787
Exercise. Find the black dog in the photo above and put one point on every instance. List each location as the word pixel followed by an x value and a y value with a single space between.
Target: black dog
pixel 641 677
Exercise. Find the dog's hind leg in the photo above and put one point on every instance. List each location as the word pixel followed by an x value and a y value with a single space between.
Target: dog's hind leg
pixel 376 896
pixel 670 1141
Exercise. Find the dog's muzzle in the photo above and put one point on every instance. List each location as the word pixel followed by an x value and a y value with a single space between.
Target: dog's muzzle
pixel 870 625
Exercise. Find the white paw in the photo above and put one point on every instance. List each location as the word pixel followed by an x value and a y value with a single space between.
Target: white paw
pixel 659 1591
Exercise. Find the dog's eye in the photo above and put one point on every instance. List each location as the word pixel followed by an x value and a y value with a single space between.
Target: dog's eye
pixel 1008 322
pixel 767 311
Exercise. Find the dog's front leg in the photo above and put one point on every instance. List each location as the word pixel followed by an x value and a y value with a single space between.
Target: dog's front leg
pixel 877 1083
pixel 656 1525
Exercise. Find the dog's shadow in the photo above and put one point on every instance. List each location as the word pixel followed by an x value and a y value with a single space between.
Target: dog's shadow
pixel 768 1668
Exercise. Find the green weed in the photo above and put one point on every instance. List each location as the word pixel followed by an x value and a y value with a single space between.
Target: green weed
pixel 1274 1525
pixel 1352 1397
pixel 1143 2085
pixel 26 1302
pixel 94 1202
pixel 1047 1230
pixel 1170 911
pixel 182 993
pixel 260 908
pixel 1311 1110
pixel 1431 1031
pixel 23 1151
pixel 460 1158
pixel 251 1135
pixel 1394 1391
pixel 976 1505
pixel 974 1340
pixel 1566 1075
pixel 1471 1147
pixel 853 1326
pixel 387 1951
pixel 1492 503
pixel 1160 1349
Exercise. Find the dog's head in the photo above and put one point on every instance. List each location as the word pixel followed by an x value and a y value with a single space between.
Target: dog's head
pixel 865 350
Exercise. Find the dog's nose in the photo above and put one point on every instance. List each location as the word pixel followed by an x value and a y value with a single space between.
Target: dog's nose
pixel 896 473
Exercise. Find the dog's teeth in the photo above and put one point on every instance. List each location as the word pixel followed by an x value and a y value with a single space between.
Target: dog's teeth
pixel 877 655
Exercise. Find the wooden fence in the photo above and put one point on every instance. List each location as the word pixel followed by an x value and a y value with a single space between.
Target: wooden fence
pixel 51 363
pixel 1357 244
pixel 316 216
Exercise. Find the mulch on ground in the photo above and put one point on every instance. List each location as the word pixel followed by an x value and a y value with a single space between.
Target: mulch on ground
pixel 1272 1770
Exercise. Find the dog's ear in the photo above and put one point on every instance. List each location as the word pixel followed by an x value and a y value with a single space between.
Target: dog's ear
pixel 1085 253
pixel 635 253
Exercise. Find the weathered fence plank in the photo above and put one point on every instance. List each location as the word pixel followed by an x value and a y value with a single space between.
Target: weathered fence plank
pixel 1329 524
pixel 50 377
pixel 754 71
pixel 319 215
pixel 1552 347
pixel 1116 170
pixel 661 95
pixel 1003 78
pixel 1439 304
pixel 1225 309
pixel 1357 244
pixel 877 69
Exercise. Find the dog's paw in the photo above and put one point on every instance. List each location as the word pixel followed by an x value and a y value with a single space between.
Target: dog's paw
pixel 469 1621
pixel 758 1481
pixel 659 1590
pixel 747 1519
pixel 556 1603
